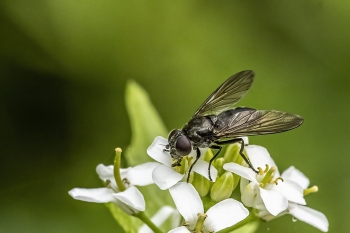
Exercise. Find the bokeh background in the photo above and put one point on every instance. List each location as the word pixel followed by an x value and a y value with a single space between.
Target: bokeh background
pixel 64 66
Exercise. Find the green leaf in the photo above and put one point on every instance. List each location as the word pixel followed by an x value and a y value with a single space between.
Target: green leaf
pixel 145 123
pixel 145 126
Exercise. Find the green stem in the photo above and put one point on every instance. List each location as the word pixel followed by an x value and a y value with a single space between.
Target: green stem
pixel 116 170
pixel 198 228
pixel 251 217
pixel 143 217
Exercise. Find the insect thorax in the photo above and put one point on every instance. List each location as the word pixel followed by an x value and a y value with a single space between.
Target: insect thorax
pixel 199 130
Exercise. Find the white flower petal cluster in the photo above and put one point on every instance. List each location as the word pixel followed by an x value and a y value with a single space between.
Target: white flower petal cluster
pixel 164 175
pixel 271 196
pixel 268 192
pixel 300 212
pixel 131 200
pixel 222 215
pixel 284 195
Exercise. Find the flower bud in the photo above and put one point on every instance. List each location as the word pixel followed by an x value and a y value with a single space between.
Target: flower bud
pixel 208 155
pixel 201 184
pixel 223 187
pixel 232 153
pixel 218 164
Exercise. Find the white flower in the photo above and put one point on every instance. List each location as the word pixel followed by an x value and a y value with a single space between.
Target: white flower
pixel 166 176
pixel 131 200
pixel 265 190
pixel 302 213
pixel 222 215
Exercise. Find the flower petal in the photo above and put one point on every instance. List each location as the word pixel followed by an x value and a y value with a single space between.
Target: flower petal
pixel 176 219
pixel 97 195
pixel 265 215
pixel 246 140
pixel 132 198
pixel 310 216
pixel 274 201
pixel 201 167
pixel 165 177
pixel 225 214
pixel 156 151
pixel 142 174
pixel 180 230
pixel 259 157
pixel 105 172
pixel 162 214
pixel 249 194
pixel 187 201
pixel 297 176
pixel 245 172
pixel 242 184
pixel 291 190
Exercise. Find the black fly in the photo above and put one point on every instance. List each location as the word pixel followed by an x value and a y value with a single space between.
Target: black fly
pixel 216 123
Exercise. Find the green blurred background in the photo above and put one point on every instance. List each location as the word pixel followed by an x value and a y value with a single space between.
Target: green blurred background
pixel 64 67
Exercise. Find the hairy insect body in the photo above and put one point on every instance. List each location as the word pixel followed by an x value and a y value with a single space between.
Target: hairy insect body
pixel 203 131
pixel 216 123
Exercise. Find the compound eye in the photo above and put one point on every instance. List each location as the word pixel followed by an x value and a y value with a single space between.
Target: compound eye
pixel 183 145
pixel 172 133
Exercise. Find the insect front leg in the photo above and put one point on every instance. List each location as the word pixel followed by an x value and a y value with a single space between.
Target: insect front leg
pixel 241 141
pixel 167 148
pixel 177 163
pixel 212 159
pixel 195 161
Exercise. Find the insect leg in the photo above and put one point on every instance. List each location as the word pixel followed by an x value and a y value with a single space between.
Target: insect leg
pixel 177 163
pixel 212 159
pixel 167 148
pixel 195 161
pixel 239 140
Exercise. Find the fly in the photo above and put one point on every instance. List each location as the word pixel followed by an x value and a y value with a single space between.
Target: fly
pixel 216 123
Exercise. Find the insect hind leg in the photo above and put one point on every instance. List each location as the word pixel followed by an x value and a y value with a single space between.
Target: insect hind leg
pixel 241 141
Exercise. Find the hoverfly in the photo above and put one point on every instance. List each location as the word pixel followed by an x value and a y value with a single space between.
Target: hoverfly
pixel 216 123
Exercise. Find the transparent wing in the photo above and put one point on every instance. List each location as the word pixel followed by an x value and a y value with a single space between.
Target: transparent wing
pixel 250 122
pixel 226 95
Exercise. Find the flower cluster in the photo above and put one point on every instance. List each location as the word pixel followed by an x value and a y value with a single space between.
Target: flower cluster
pixel 206 206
